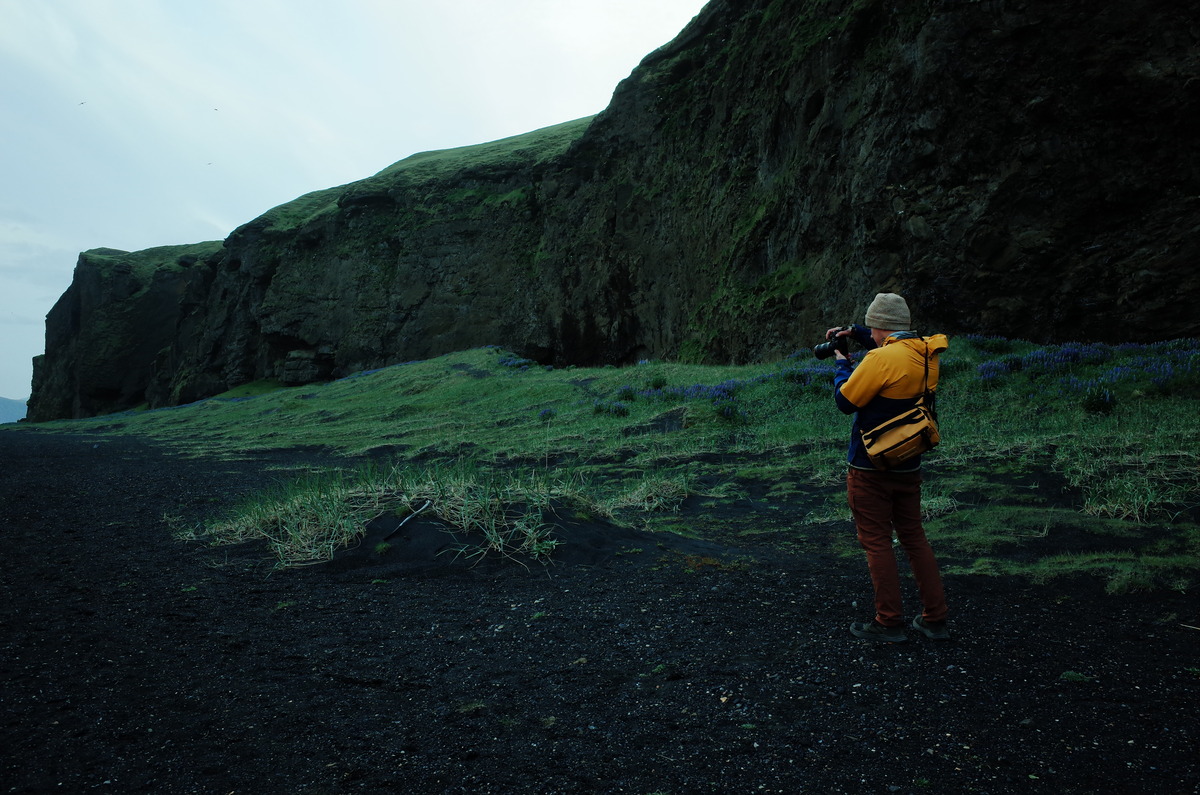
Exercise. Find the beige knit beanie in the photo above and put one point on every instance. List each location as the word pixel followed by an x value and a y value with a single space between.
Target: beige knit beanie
pixel 889 312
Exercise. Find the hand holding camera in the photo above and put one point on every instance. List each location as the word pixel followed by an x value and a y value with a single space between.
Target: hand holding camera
pixel 837 341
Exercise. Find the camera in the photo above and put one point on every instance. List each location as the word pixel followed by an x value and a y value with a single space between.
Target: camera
pixel 835 343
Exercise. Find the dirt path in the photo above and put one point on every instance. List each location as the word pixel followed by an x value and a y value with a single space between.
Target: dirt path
pixel 133 663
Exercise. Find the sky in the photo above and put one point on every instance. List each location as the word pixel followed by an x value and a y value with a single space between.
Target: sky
pixel 130 124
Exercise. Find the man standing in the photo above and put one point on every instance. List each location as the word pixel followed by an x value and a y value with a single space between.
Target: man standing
pixel 889 381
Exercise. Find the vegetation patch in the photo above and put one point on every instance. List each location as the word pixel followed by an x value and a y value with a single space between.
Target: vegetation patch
pixel 1022 528
pixel 1030 480
pixel 310 519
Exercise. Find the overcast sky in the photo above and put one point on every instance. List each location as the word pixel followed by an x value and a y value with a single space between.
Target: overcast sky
pixel 136 123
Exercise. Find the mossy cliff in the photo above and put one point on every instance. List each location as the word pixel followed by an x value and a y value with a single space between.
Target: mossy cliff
pixel 1016 168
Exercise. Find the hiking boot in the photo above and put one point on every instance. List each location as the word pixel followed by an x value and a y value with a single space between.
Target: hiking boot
pixel 878 632
pixel 934 630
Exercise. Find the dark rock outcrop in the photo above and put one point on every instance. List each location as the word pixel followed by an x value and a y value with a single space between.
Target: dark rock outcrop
pixel 1014 168
pixel 104 335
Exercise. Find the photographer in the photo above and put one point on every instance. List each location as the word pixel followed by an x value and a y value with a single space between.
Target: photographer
pixel 888 382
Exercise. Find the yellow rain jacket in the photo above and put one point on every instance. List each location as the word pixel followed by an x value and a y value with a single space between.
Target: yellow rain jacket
pixel 887 382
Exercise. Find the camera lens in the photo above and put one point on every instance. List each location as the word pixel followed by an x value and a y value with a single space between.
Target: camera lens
pixel 828 348
pixel 825 349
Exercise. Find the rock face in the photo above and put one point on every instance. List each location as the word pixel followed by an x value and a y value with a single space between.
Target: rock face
pixel 1014 168
pixel 106 332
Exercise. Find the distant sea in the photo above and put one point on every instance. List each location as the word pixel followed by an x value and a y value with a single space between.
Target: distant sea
pixel 11 410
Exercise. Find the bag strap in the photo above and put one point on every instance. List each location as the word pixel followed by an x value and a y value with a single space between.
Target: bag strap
pixel 928 397
pixel 925 388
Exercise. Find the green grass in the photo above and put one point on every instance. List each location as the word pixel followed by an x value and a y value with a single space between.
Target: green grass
pixel 536 147
pixel 1056 460
pixel 444 164
pixel 308 519
pixel 472 404
pixel 144 264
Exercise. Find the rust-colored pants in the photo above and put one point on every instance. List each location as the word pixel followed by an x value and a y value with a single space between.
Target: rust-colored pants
pixel 883 503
